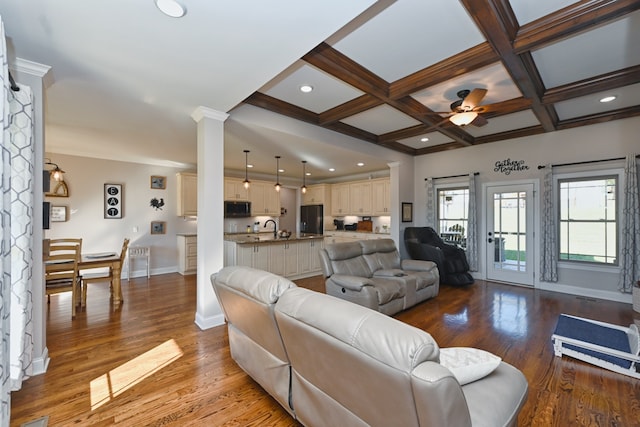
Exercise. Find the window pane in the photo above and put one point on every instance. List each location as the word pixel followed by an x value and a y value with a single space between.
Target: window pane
pixel 453 205
pixel 588 229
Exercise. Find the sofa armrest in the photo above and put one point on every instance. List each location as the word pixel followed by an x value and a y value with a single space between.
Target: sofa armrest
pixel 438 396
pixel 353 283
pixel 417 265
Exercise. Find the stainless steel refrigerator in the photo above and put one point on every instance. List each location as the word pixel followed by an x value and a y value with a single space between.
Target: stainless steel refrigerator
pixel 311 219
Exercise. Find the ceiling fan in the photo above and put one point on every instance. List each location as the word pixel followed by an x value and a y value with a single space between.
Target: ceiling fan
pixel 464 111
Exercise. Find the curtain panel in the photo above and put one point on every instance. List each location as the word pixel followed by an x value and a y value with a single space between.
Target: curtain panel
pixel 431 208
pixel 630 244
pixel 549 231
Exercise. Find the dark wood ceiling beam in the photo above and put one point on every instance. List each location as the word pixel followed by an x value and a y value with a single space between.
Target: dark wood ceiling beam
pixel 517 133
pixel 281 107
pixel 462 63
pixel 603 82
pixel 439 148
pixel 608 116
pixel 496 19
pixel 349 108
pixel 336 64
pixel 569 21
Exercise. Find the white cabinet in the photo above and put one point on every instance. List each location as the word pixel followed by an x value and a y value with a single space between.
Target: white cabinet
pixel 340 199
pixel 265 200
pixel 283 258
pixel 187 254
pixel 380 197
pixel 256 256
pixel 187 194
pixel 360 198
pixel 319 194
pixel 234 190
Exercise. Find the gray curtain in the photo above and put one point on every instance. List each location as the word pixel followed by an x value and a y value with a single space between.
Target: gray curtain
pixel 472 226
pixel 630 244
pixel 549 232
pixel 431 208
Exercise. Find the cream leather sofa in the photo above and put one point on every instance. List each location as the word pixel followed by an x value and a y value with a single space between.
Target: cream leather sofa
pixel 330 362
pixel 371 273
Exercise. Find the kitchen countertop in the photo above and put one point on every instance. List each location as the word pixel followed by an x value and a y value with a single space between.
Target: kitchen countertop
pixel 358 231
pixel 253 238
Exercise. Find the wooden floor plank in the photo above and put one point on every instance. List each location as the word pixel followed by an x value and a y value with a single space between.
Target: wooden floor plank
pixel 148 364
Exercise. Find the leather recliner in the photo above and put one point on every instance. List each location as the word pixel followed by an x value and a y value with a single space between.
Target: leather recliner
pixel 423 243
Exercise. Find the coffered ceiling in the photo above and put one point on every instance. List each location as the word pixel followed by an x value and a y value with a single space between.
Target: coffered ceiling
pixel 125 79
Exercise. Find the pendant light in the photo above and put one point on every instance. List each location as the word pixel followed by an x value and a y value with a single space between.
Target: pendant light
pixel 304 177
pixel 277 174
pixel 246 182
pixel 56 173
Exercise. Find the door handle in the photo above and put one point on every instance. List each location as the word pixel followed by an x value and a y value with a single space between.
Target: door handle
pixel 490 240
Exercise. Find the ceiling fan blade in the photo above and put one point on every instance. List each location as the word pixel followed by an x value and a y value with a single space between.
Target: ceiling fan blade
pixel 473 99
pixel 479 121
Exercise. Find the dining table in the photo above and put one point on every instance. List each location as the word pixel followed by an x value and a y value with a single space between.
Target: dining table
pixel 101 260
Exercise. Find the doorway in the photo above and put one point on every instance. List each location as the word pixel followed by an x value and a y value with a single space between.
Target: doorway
pixel 509 233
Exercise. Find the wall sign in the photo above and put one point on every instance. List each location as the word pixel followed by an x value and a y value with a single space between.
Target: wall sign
pixel 507 166
pixel 113 201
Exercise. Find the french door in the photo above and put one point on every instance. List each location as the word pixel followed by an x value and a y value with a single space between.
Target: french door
pixel 509 233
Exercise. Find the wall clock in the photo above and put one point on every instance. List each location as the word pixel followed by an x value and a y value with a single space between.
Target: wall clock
pixel 113 199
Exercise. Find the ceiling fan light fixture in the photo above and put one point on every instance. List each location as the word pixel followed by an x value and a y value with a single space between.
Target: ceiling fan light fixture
pixel 463 119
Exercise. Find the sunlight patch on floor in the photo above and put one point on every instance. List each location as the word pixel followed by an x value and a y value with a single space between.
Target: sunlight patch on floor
pixel 115 382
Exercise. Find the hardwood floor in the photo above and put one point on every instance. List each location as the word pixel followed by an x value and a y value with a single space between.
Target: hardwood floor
pixel 148 364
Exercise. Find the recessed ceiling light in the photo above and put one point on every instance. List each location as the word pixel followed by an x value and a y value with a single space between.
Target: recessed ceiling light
pixel 360 164
pixel 308 173
pixel 281 170
pixel 332 169
pixel 608 98
pixel 249 166
pixel 171 8
pixel 425 139
pixel 306 88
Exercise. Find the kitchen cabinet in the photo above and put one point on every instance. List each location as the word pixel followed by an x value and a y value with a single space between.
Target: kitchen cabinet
pixel 234 190
pixel 265 200
pixel 319 194
pixel 360 198
pixel 380 197
pixel 256 256
pixel 187 254
pixel 283 258
pixel 340 198
pixel 187 194
pixel 309 255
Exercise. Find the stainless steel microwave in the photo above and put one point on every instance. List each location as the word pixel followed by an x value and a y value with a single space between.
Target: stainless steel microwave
pixel 237 209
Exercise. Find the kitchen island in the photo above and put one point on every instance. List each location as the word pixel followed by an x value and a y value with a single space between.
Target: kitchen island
pixel 295 257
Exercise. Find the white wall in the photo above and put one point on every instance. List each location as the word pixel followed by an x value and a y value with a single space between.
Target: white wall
pixel 85 178
pixel 604 141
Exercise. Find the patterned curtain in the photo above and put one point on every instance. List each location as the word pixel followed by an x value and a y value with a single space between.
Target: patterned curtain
pixel 630 255
pixel 5 237
pixel 16 234
pixel 431 209
pixel 22 201
pixel 472 227
pixel 549 232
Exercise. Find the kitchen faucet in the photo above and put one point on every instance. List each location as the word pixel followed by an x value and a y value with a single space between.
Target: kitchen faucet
pixel 275 227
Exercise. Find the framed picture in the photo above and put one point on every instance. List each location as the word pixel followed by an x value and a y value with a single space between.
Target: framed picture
pixel 407 212
pixel 58 213
pixel 158 227
pixel 158 182
pixel 113 199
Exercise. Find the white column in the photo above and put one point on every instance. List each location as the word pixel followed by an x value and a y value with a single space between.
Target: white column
pixel 38 78
pixel 210 212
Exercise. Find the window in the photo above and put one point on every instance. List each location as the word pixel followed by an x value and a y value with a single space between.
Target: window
pixel 588 215
pixel 453 208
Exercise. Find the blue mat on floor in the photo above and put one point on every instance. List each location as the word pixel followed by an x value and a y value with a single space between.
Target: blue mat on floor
pixel 591 333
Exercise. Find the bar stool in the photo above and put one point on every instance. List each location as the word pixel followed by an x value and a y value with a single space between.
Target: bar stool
pixel 139 252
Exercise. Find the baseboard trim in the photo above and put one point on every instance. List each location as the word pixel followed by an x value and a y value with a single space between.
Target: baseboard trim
pixel 585 292
pixel 41 363
pixel 209 322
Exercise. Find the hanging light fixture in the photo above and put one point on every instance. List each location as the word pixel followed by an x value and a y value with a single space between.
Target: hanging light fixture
pixel 246 182
pixel 56 173
pixel 277 174
pixel 304 177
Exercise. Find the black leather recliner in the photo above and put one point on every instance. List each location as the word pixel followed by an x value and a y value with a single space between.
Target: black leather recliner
pixel 425 244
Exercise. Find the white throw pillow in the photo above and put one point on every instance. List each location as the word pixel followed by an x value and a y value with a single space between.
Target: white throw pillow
pixel 468 364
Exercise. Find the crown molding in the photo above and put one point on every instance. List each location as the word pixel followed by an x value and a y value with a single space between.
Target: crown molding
pixel 202 112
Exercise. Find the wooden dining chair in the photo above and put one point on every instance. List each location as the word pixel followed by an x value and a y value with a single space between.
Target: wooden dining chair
pixel 61 272
pixel 107 277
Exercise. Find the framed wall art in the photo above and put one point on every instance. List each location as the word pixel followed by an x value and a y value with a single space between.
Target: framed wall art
pixel 58 214
pixel 113 199
pixel 158 227
pixel 158 182
pixel 407 212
